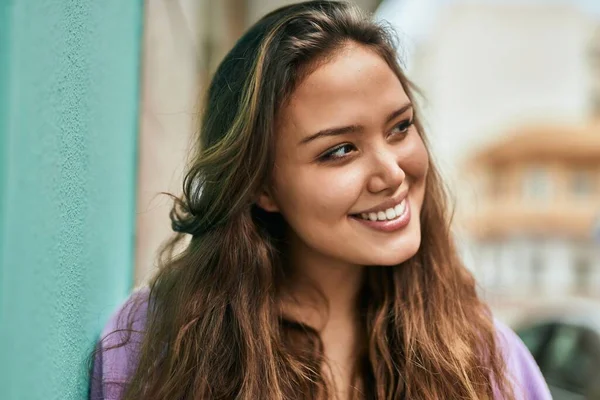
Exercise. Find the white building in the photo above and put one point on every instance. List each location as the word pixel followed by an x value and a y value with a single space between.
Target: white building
pixel 532 238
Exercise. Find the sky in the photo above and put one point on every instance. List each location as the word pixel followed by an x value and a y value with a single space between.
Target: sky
pixel 419 6
pixel 416 16
pixel 414 19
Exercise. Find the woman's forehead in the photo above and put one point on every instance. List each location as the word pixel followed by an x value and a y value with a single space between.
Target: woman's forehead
pixel 348 69
pixel 355 82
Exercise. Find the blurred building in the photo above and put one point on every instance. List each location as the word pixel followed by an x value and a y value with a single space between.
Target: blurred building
pixel 594 62
pixel 534 205
pixel 487 66
pixel 539 200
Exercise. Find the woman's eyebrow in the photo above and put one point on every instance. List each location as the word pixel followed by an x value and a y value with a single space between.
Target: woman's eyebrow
pixel 398 112
pixel 332 132
pixel 343 130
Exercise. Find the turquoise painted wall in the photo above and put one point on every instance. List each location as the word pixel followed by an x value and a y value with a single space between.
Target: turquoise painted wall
pixel 4 50
pixel 69 83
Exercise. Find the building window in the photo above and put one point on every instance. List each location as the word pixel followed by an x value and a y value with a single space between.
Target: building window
pixel 583 271
pixel 537 184
pixel 537 272
pixel 496 179
pixel 582 184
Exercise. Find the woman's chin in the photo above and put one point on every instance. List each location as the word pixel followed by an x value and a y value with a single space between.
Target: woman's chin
pixel 395 256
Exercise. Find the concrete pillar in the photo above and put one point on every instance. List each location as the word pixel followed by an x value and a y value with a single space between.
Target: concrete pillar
pixel 174 53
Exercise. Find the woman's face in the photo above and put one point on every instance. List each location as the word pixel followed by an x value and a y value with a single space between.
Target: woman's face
pixel 350 166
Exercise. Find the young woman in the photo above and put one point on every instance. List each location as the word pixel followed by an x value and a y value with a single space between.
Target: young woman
pixel 321 264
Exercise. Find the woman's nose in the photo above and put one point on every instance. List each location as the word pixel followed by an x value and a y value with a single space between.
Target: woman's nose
pixel 386 172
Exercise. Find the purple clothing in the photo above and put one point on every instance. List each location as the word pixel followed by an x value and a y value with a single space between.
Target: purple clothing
pixel 112 367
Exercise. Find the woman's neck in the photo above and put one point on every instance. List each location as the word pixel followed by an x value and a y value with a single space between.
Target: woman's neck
pixel 325 296
pixel 316 278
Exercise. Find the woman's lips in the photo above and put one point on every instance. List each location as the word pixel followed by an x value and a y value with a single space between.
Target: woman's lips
pixel 388 225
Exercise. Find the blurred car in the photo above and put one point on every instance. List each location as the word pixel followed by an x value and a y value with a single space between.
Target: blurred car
pixel 565 342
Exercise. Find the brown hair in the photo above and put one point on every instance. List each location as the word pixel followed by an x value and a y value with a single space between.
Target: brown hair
pixel 214 328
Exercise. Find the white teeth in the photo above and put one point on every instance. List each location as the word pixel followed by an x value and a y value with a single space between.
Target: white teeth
pixel 400 207
pixel 390 213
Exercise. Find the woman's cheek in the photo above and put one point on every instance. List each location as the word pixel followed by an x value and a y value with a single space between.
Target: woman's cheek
pixel 321 191
pixel 416 159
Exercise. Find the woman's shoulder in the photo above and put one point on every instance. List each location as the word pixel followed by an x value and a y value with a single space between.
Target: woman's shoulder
pixel 131 314
pixel 116 352
pixel 527 379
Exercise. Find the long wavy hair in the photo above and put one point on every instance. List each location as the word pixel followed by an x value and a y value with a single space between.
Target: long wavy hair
pixel 215 327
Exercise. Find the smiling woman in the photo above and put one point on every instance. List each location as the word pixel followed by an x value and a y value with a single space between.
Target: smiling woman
pixel 321 264
pixel 367 157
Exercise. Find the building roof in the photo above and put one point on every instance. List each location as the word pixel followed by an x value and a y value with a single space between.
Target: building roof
pixel 539 142
pixel 504 222
pixel 506 217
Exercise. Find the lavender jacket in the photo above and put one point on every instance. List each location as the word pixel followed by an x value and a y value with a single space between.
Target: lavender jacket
pixel 113 366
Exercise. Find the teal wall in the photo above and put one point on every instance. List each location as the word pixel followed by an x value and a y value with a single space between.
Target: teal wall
pixel 69 83
pixel 4 51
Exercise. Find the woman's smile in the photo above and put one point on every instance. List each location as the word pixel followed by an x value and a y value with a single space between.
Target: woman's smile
pixel 386 219
pixel 388 216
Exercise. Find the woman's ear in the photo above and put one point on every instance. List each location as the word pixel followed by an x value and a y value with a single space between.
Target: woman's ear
pixel 266 201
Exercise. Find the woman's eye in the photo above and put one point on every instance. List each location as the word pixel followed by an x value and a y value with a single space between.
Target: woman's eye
pixel 338 152
pixel 402 128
